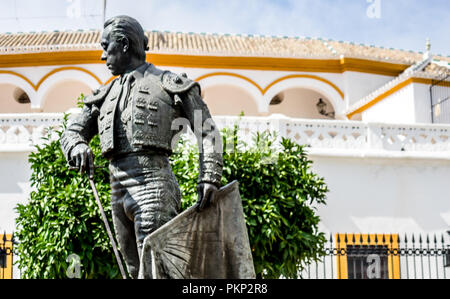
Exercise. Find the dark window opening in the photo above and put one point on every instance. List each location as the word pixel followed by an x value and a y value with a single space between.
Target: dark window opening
pixel 367 262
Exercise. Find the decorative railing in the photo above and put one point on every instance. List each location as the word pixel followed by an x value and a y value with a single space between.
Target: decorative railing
pixel 382 256
pixel 348 135
pixel 21 132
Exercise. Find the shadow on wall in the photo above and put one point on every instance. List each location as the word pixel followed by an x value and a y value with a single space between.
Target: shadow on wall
pixel 63 96
pixel 296 103
pixel 230 100
pixel 15 170
pixel 13 99
pixel 302 103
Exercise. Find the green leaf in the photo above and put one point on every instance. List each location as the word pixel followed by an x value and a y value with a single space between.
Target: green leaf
pixel 278 191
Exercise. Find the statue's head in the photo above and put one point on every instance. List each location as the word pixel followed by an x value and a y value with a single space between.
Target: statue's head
pixel 124 43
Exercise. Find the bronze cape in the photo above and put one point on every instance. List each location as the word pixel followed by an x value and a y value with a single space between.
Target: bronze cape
pixel 212 244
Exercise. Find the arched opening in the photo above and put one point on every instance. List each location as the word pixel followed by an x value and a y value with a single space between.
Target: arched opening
pixel 230 101
pixel 302 103
pixel 63 96
pixel 14 99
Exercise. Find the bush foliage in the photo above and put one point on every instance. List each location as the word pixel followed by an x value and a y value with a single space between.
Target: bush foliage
pixel 277 186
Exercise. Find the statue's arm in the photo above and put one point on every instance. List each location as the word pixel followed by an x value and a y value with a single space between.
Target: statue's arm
pixel 208 137
pixel 81 128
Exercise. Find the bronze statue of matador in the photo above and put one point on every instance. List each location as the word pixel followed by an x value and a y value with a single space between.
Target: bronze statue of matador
pixel 134 116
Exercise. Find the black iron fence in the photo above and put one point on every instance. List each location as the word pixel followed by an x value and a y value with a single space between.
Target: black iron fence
pixel 6 256
pixel 440 100
pixel 382 256
pixel 347 256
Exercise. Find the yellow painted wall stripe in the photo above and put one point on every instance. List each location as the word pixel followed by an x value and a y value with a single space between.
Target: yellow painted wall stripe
pixel 394 90
pixel 45 77
pixel 308 77
pixel 67 68
pixel 231 75
pixel 213 62
pixel 264 91
pixel 20 76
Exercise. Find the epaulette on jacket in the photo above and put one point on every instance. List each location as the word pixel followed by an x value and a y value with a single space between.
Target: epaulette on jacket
pixel 177 84
pixel 98 95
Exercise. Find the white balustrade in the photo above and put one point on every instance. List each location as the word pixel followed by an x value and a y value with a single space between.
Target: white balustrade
pixel 20 132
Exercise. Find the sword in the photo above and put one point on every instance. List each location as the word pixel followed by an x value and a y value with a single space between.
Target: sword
pixel 105 219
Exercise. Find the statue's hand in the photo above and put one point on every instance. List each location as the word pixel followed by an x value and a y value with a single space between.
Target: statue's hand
pixel 83 157
pixel 205 193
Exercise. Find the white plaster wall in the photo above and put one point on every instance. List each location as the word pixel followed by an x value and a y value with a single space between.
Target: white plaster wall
pixel 358 85
pixel 14 187
pixel 367 195
pixel 398 108
pixel 381 195
pixel 422 102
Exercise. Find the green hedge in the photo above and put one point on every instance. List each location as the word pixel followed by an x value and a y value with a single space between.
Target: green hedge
pixel 277 187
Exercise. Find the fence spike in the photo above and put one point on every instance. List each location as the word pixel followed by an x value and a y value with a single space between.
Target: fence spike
pixel 353 239
pixel 413 239
pixel 383 240
pixel 331 238
pixel 391 239
pixel 428 239
pixel 435 239
pixel 345 239
pixel 4 237
pixel 361 239
pixel 406 238
pixel 369 238
pixel 442 238
pixel 420 239
pixel 376 239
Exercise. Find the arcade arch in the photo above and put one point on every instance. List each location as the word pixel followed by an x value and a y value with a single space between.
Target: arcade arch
pixel 301 103
pixel 291 88
pixel 311 88
pixel 229 100
pixel 14 99
pixel 63 96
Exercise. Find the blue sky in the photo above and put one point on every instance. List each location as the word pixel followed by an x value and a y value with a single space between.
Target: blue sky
pixel 401 24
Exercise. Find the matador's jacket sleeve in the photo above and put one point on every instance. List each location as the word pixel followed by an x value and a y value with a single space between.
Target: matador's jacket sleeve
pixel 187 93
pixel 81 128
pixel 210 143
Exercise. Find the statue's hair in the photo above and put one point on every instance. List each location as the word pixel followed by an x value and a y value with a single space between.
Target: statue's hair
pixel 127 27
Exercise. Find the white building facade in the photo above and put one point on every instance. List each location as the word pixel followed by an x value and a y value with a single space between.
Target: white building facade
pixel 386 163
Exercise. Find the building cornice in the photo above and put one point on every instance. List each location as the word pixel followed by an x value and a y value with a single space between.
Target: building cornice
pixel 340 65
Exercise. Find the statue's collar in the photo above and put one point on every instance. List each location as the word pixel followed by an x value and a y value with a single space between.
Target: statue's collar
pixel 139 72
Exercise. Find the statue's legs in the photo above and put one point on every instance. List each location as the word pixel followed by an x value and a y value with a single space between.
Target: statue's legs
pixel 125 235
pixel 145 195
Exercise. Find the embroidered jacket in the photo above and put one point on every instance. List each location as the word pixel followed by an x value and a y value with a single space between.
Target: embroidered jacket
pixel 152 118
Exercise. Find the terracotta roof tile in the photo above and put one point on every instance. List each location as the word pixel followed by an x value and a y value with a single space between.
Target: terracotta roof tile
pixel 437 71
pixel 210 44
pixel 364 51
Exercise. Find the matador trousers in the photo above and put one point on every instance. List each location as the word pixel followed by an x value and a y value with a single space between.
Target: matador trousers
pixel 144 196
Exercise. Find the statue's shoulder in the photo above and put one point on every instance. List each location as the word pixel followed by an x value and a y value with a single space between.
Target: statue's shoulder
pixel 99 94
pixel 176 83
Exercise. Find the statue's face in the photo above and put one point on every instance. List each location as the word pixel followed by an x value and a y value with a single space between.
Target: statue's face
pixel 115 53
